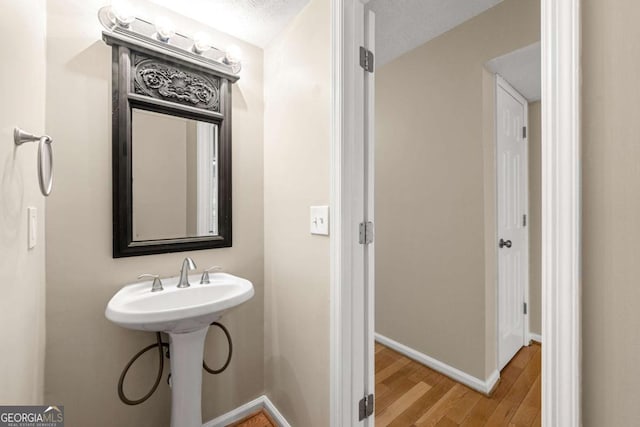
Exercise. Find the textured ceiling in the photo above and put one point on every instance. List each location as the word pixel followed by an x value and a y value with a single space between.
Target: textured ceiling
pixel 254 21
pixel 403 25
pixel 522 68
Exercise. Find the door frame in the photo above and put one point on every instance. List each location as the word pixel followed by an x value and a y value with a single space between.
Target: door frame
pixel 561 217
pixel 501 83
pixel 348 316
pixel 561 214
pixel 206 153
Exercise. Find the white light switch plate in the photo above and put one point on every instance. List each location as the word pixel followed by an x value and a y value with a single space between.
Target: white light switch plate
pixel 32 225
pixel 320 220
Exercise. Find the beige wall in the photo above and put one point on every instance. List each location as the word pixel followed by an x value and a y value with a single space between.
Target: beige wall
pixel 85 352
pixel 432 162
pixel 22 270
pixel 297 142
pixel 610 212
pixel 535 212
pixel 160 188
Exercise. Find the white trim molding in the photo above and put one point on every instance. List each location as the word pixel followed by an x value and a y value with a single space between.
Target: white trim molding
pixel 483 386
pixel 534 337
pixel 561 358
pixel 247 409
pixel 339 361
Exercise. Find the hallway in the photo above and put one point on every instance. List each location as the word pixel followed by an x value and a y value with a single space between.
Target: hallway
pixel 410 394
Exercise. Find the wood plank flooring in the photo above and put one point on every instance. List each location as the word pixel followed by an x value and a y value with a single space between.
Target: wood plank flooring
pixel 408 394
pixel 259 419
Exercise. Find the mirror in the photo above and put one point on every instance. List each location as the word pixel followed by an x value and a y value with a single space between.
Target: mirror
pixel 174 178
pixel 171 129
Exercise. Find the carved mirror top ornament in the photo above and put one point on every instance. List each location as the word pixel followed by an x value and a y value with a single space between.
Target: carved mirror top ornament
pixel 160 80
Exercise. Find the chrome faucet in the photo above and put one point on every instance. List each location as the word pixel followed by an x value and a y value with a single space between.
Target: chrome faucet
pixel 187 265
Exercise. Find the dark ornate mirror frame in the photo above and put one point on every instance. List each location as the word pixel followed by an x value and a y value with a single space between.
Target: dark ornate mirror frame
pixel 149 77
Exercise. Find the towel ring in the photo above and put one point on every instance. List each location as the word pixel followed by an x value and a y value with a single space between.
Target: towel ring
pixel 45 157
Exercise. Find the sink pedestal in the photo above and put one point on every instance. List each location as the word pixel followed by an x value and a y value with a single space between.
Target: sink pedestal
pixel 187 351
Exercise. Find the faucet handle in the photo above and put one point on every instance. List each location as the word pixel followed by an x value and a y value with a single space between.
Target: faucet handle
pixel 157 283
pixel 204 280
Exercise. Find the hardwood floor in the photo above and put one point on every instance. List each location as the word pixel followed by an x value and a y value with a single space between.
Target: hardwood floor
pixel 259 419
pixel 410 394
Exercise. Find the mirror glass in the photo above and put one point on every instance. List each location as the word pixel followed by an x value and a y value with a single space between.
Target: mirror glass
pixel 174 177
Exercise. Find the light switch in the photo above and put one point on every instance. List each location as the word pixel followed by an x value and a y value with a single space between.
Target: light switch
pixel 320 220
pixel 32 214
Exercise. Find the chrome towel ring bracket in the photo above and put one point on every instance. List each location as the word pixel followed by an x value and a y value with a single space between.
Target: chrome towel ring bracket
pixel 45 157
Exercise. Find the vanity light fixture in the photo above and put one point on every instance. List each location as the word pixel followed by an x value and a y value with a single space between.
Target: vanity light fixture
pixel 201 42
pixel 121 22
pixel 165 29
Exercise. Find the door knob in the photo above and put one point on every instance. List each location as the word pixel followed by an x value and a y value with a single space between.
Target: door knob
pixel 504 243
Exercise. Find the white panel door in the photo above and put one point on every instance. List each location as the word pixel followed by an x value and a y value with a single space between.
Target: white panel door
pixel 512 206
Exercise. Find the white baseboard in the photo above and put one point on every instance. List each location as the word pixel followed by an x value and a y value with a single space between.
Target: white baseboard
pixel 483 386
pixel 249 408
pixel 535 337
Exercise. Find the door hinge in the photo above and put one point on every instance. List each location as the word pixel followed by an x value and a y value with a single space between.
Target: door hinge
pixel 365 236
pixel 365 407
pixel 524 304
pixel 524 220
pixel 366 59
pixel 524 132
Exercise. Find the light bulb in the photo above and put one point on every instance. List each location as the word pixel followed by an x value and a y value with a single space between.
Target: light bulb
pixel 233 54
pixel 164 29
pixel 232 57
pixel 122 13
pixel 201 42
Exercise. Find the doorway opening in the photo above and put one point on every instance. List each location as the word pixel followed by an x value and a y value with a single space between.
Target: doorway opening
pixel 354 328
pixel 451 204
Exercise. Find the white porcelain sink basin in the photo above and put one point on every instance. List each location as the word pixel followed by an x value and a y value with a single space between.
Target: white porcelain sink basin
pixel 174 309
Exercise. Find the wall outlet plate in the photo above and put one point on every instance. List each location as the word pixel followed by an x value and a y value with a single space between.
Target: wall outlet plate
pixel 32 227
pixel 319 220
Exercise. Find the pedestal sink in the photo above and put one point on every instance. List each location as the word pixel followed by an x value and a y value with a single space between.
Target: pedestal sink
pixel 185 314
